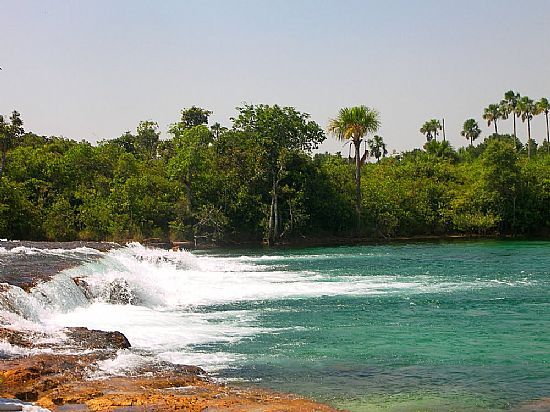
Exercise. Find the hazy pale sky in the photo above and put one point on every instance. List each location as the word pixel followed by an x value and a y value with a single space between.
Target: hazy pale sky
pixel 93 69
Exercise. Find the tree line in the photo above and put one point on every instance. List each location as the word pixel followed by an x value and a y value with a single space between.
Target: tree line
pixel 259 180
pixel 512 105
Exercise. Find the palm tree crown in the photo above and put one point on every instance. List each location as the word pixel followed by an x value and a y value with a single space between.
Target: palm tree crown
pixel 470 130
pixel 431 129
pixel 354 123
pixel 377 147
pixel 492 113
pixel 509 106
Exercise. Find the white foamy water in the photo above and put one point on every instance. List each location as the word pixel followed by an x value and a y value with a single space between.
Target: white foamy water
pixel 171 305
pixel 24 250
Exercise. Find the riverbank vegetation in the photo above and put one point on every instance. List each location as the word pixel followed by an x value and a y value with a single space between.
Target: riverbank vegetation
pixel 260 179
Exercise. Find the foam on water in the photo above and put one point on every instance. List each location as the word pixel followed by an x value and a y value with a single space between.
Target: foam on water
pixel 24 250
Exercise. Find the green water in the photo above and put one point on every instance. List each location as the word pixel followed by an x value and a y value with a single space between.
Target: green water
pixel 431 326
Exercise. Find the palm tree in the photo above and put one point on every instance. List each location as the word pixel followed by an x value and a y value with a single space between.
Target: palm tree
pixel 354 123
pixel 470 130
pixel 527 109
pixel 377 147
pixel 543 106
pixel 431 129
pixel 509 106
pixel 492 113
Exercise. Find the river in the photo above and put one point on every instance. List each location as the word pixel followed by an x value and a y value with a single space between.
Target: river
pixel 419 326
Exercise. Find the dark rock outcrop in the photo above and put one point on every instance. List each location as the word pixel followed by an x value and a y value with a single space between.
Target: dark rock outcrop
pixel 82 338
pixel 97 339
pixel 27 270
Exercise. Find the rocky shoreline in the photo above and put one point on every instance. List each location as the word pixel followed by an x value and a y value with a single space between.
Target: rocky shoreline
pixel 65 382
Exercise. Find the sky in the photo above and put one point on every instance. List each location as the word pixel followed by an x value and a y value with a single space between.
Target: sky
pixel 93 69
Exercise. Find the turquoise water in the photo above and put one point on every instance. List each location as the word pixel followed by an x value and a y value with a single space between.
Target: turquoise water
pixel 427 326
pixel 461 326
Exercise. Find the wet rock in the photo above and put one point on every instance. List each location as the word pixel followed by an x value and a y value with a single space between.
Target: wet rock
pixel 97 339
pixel 120 292
pixel 61 383
pixel 84 287
pixel 28 378
pixel 76 337
pixel 26 270
pixel 99 246
pixel 28 396
pixel 17 338
pixel 10 405
pixel 157 243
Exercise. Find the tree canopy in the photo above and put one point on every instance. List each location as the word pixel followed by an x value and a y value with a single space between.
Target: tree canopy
pixel 260 178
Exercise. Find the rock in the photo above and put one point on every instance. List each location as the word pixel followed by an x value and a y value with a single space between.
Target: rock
pixel 97 339
pixel 84 287
pixel 120 292
pixel 99 246
pixel 80 337
pixel 17 338
pixel 28 270
pixel 28 377
pixel 61 383
pixel 10 405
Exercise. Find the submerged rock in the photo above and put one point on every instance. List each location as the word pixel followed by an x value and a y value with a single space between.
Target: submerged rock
pixel 537 405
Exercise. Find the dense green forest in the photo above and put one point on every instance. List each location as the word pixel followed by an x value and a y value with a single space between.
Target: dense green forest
pixel 259 179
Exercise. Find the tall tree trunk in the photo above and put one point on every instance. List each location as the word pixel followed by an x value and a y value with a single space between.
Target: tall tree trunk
pixel 358 184
pixel 187 186
pixel 276 219
pixel 3 164
pixel 495 123
pixel 273 215
pixel 365 155
pixel 515 134
pixel 547 133
pixel 528 138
